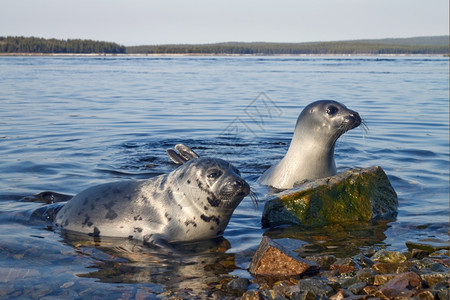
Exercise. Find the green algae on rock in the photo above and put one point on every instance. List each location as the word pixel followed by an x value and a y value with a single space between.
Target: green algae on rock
pixel 385 256
pixel 429 245
pixel 360 194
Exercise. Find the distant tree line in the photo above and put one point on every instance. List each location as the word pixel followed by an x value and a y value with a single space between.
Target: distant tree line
pixel 418 45
pixel 292 48
pixel 12 44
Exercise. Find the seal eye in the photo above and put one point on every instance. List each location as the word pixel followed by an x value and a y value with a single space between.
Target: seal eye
pixel 331 110
pixel 214 174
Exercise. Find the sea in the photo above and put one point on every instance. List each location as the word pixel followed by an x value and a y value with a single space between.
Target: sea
pixel 71 122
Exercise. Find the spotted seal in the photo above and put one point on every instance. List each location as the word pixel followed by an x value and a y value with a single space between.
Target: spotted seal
pixel 193 202
pixel 311 152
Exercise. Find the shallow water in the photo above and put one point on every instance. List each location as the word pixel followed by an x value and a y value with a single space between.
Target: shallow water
pixel 67 123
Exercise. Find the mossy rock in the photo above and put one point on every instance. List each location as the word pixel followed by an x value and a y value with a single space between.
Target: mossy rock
pixel 361 194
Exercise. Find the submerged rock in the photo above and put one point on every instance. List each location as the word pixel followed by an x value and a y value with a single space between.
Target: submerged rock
pixel 429 245
pixel 345 266
pixel 361 194
pixel 239 284
pixel 402 285
pixel 272 259
pixel 324 261
pixel 252 295
pixel 316 286
pixel 385 256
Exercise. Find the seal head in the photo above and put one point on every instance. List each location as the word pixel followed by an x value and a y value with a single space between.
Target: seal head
pixel 193 202
pixel 311 152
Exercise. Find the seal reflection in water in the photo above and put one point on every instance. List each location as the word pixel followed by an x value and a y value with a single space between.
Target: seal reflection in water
pixel 193 202
pixel 311 153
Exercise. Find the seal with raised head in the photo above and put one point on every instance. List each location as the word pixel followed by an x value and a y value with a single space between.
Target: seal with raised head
pixel 311 152
pixel 193 202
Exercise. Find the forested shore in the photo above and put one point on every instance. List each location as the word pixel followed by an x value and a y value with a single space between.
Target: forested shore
pixel 290 49
pixel 438 45
pixel 421 45
pixel 55 46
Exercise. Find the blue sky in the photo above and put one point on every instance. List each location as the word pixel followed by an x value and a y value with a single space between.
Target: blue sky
pixel 143 22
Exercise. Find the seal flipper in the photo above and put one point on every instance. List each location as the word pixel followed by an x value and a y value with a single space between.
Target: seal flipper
pixel 157 241
pixel 175 157
pixel 47 197
pixel 47 212
pixel 185 154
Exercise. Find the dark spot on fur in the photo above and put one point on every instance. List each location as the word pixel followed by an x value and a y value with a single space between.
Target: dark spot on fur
pixel 66 222
pixel 168 217
pixel 138 229
pixel 137 218
pixel 205 207
pixel 92 206
pixel 109 205
pixel 95 233
pixel 211 228
pixel 188 182
pixel 111 214
pixel 85 201
pixel 130 237
pixel 86 221
pixel 200 184
pixel 210 218
pixel 190 222
pixel 213 201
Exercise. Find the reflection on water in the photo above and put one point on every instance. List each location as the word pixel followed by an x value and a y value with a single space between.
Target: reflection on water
pixel 194 265
pixel 340 240
pixel 70 123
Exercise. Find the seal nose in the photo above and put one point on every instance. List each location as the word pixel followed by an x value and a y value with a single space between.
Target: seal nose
pixel 243 185
pixel 354 118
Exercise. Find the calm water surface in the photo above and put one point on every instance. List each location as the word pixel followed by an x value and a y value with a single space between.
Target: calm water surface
pixel 67 123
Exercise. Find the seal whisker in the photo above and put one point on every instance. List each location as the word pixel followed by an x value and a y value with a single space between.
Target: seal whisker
pixel 364 127
pixel 253 197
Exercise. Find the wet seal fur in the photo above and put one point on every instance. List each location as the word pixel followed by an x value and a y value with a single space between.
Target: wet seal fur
pixel 193 202
pixel 311 152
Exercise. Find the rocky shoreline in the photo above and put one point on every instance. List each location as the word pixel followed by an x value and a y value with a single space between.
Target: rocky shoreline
pixel 375 273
